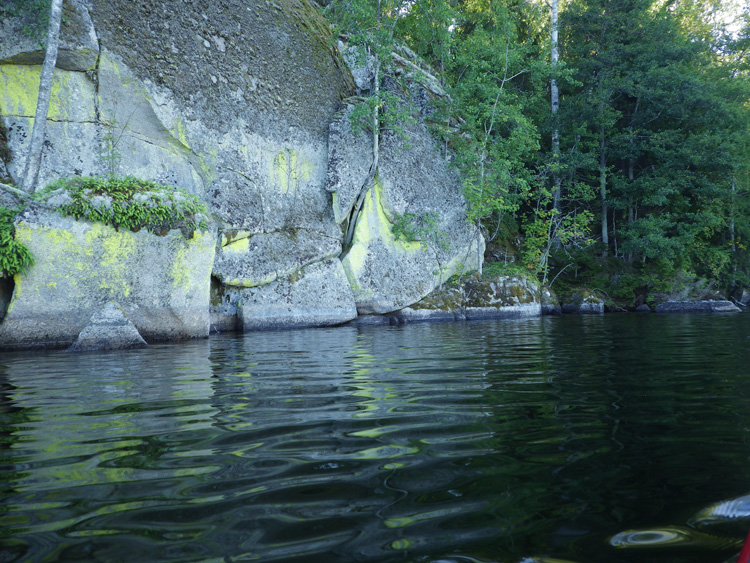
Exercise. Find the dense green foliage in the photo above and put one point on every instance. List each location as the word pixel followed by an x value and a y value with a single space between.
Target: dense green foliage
pixel 15 258
pixel 127 202
pixel 650 181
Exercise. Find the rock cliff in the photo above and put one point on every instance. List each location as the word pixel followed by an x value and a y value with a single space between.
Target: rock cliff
pixel 241 104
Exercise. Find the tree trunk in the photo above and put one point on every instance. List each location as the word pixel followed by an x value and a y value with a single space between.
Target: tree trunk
pixel 34 157
pixel 603 189
pixel 555 106
pixel 375 160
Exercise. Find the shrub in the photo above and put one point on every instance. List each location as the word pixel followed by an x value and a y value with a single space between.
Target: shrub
pixel 15 258
pixel 127 202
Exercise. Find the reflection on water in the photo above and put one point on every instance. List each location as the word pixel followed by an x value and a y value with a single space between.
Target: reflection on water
pixel 536 440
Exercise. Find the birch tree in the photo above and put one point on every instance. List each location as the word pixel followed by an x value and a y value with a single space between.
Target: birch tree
pixel 34 156
pixel 369 25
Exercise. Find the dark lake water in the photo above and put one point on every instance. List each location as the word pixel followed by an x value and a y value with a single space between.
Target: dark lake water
pixel 458 442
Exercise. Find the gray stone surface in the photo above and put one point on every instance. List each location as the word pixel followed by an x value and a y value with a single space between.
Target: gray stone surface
pixel 499 298
pixel 108 329
pixel 78 47
pixel 584 303
pixel 697 307
pixel 318 295
pixel 550 302
pixel 349 161
pixel 249 260
pixel 360 64
pixel 414 177
pixel 161 282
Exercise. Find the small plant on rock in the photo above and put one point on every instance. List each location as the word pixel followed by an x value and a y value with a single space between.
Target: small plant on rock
pixel 15 258
pixel 127 202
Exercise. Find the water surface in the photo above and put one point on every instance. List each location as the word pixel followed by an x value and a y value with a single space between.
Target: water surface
pixel 483 441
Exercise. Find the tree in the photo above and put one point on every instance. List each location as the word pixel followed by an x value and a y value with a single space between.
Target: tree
pixel 370 26
pixel 34 157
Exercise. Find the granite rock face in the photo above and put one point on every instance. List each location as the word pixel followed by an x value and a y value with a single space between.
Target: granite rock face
pixel 108 329
pixel 161 282
pixel 318 295
pixel 244 105
pixel 414 179
pixel 249 260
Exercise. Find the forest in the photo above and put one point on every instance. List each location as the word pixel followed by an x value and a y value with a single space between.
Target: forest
pixel 601 143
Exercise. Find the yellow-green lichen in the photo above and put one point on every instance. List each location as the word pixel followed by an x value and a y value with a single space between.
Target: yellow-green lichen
pixel 373 224
pixel 19 88
pixel 288 169
pixel 179 132
pixel 182 266
pixel 117 250
pixel 240 246
pixel 244 282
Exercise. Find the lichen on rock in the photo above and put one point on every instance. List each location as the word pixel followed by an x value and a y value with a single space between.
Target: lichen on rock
pixel 161 282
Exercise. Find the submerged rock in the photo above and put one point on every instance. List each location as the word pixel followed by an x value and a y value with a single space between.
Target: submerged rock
pixel 108 329
pixel 697 307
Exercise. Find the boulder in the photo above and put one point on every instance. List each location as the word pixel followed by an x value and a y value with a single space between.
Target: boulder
pixel 708 306
pixel 583 302
pixel 388 273
pixel 502 297
pixel 317 295
pixel 643 308
pixel 249 260
pixel 161 282
pixel 108 329
pixel 550 302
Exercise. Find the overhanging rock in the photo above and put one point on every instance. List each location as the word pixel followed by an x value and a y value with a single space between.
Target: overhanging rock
pixel 161 282
pixel 249 260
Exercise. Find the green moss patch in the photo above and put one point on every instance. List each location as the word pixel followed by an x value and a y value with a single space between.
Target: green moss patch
pixel 127 202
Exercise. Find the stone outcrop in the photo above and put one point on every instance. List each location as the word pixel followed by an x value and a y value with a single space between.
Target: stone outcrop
pixel 108 329
pixel 583 302
pixel 388 273
pixel 550 302
pixel 318 295
pixel 708 306
pixel 161 282
pixel 243 106
pixel 503 297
